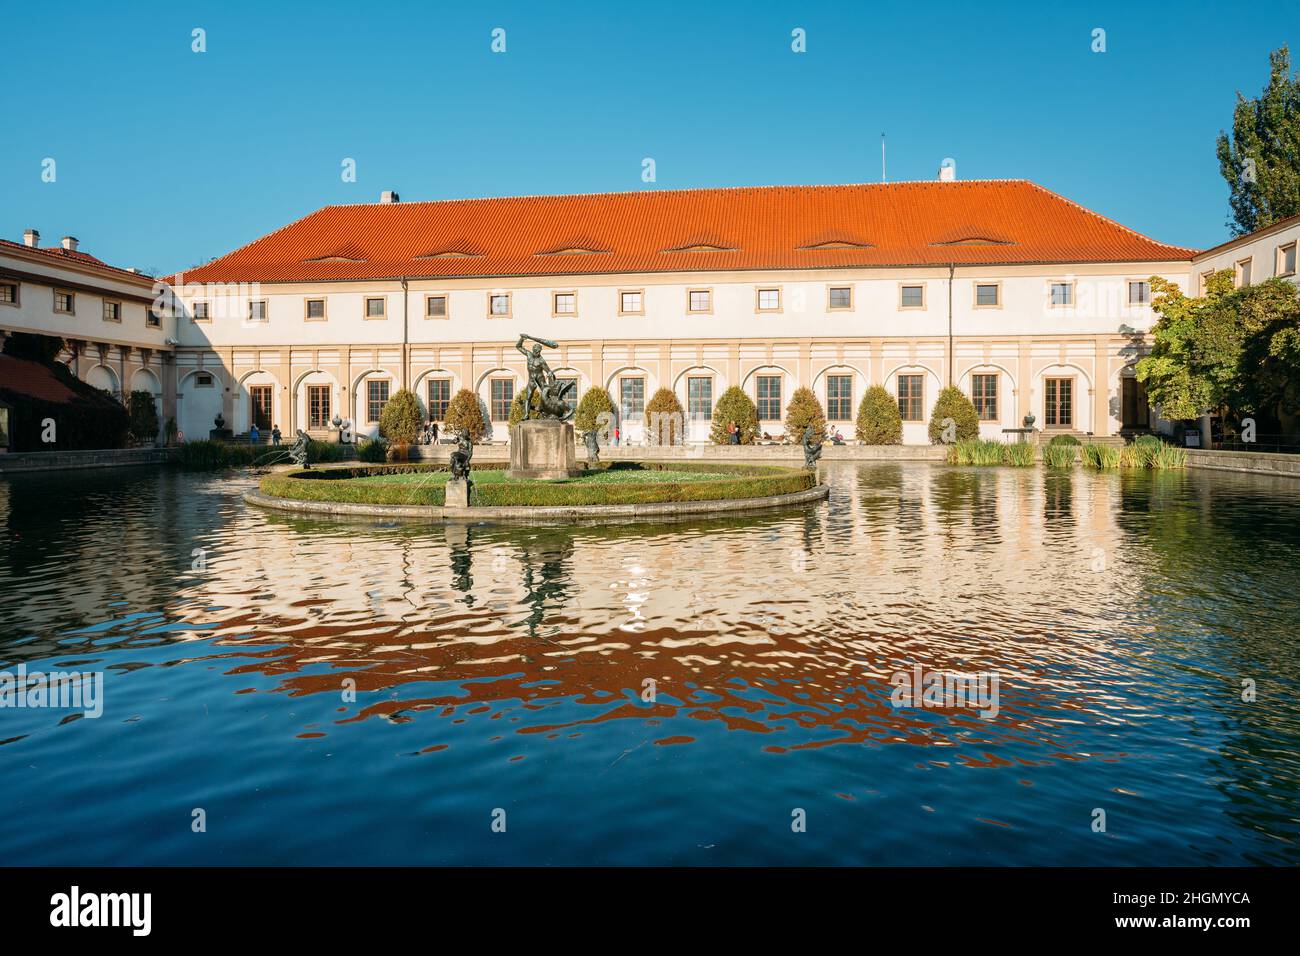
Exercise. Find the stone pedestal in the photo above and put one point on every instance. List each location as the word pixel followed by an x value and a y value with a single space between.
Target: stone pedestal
pixel 542 448
pixel 457 493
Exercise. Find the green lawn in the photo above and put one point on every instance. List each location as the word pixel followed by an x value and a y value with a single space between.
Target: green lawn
pixel 621 476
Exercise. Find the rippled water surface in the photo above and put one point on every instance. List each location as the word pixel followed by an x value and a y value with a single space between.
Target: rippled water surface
pixel 499 668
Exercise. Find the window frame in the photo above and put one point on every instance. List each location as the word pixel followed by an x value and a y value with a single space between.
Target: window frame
pixel 1139 282
pixel 429 402
pixel 1238 271
pixel 636 292
pixel 116 306
pixel 17 286
pixel 365 307
pixel 266 312
pixel 919 398
pixel 555 296
pixel 690 399
pixel 903 306
pixel 975 297
pixel 446 306
pixel 72 301
pixel 306 308
pixel 979 401
pixel 758 300
pixel 623 415
pixel 1057 379
pixel 705 290
pixel 831 306
pixel 1281 259
pixel 207 311
pixel 510 305
pixel 388 395
pixel 492 398
pixel 760 398
pixel 329 404
pixel 846 399
pixel 1052 285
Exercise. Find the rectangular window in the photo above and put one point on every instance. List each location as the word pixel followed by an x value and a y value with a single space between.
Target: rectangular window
pixel 499 304
pixel 1286 260
pixel 911 297
pixel 1134 410
pixel 564 303
pixel 257 310
pixel 769 300
pixel 318 406
pixel 314 310
pixel 112 311
pixel 631 303
pixel 839 298
pixel 202 380
pixel 1205 281
pixel 376 307
pixel 439 398
pixel 839 398
pixel 699 398
pixel 988 295
pixel 435 307
pixel 769 398
pixel 376 399
pixel 259 400
pixel 571 397
pixel 631 399
pixel 984 396
pixel 199 312
pixel 65 302
pixel 1062 294
pixel 503 395
pixel 699 300
pixel 8 293
pixel 1139 293
pixel 152 318
pixel 1242 273
pixel 1058 402
pixel 911 397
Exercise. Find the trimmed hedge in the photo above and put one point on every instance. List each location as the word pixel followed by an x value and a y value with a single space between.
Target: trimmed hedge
pixel 879 420
pixel 952 403
pixel 734 481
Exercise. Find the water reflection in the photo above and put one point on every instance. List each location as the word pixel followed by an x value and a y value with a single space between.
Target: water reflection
pixel 1121 612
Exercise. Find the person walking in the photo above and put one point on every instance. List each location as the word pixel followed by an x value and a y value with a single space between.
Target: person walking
pixel 254 436
pixel 275 435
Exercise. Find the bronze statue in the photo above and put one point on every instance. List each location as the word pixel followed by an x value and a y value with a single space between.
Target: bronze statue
pixel 551 395
pixel 592 441
pixel 301 450
pixel 461 456
pixel 812 449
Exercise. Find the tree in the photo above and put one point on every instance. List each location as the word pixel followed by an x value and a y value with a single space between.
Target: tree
pixel 734 406
pixel 517 411
pixel 142 413
pixel 1261 160
pixel 879 420
pixel 465 414
pixel 665 418
pixel 594 404
pixel 402 417
pixel 804 410
pixel 1231 351
pixel 953 404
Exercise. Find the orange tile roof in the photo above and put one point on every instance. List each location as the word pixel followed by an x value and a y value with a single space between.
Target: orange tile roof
pixel 84 258
pixel 767 227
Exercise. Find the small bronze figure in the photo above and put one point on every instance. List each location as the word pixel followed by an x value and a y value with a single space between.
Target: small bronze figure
pixel 301 450
pixel 812 448
pixel 592 441
pixel 461 456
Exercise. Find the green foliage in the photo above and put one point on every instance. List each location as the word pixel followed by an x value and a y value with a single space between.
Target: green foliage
pixel 1136 456
pixel 732 481
pixel 976 451
pixel 142 414
pixel 805 409
pixel 1104 457
pixel 665 418
pixel 1169 456
pixel 594 404
pixel 1261 160
pixel 1148 441
pixel 1021 454
pixel 204 454
pixel 401 418
pixel 517 410
pixel 1064 440
pixel 372 450
pixel 1234 351
pixel 1059 456
pixel 171 431
pixel 37 348
pixel 879 420
pixel 953 403
pixel 324 451
pixel 734 406
pixel 465 414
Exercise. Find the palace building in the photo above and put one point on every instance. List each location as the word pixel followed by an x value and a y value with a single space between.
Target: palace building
pixel 1028 302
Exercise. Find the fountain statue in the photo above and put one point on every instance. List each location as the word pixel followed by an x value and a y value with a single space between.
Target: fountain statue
pixel 460 485
pixel 300 453
pixel 543 446
pixel 812 448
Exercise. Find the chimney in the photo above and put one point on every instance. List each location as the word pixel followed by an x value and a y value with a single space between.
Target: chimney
pixel 69 243
pixel 388 196
pixel 31 238
pixel 947 171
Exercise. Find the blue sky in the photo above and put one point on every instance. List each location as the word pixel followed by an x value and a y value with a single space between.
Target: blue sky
pixel 167 158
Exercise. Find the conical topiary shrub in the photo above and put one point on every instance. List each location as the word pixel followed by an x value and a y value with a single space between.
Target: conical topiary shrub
pixel 464 413
pixel 401 418
pixel 804 410
pixel 665 419
pixel 879 420
pixel 953 404
pixel 588 418
pixel 734 406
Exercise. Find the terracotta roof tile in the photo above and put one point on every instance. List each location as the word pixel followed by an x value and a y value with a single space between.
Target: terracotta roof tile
pixel 767 227
pixel 84 258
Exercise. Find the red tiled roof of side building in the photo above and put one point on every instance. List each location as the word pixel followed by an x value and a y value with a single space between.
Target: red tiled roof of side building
pixel 765 227
pixel 84 258
pixel 33 379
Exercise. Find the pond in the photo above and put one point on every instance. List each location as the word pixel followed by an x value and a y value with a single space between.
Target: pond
pixel 277 690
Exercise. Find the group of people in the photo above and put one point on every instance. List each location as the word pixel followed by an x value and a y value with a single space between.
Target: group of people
pixel 255 435
pixel 429 434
